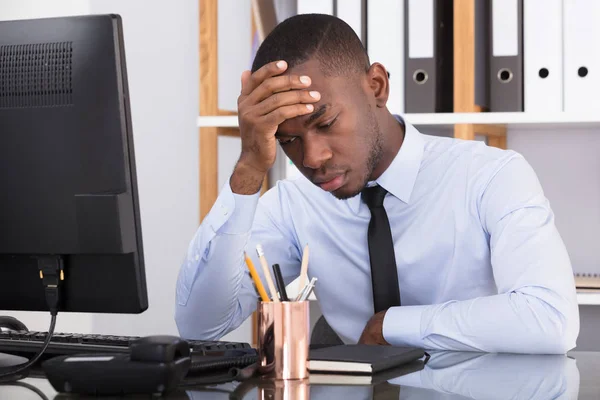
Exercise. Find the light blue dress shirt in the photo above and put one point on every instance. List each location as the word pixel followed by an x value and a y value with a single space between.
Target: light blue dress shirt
pixel 481 265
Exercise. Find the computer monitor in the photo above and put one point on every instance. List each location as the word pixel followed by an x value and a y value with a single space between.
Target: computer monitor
pixel 68 187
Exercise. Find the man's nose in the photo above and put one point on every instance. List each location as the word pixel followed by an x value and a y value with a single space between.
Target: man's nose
pixel 316 152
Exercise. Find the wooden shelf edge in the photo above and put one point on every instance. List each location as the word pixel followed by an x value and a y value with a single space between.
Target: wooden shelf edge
pixel 231 132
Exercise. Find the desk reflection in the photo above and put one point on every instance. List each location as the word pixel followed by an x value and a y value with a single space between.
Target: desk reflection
pixel 447 375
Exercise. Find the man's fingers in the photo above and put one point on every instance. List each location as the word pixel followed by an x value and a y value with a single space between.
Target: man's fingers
pixel 245 78
pixel 278 84
pixel 266 71
pixel 288 98
pixel 281 114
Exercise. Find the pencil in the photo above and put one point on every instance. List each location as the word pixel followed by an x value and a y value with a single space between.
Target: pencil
pixel 267 273
pixel 256 278
pixel 304 268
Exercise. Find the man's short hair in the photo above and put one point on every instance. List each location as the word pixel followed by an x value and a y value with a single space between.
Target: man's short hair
pixel 325 38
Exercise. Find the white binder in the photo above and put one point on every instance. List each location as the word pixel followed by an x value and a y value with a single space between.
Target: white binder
pixel 581 55
pixel 315 6
pixel 543 55
pixel 353 13
pixel 385 44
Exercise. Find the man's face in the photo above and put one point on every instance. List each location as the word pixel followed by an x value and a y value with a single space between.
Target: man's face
pixel 339 144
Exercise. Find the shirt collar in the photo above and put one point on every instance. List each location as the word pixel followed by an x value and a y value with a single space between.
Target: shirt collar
pixel 400 177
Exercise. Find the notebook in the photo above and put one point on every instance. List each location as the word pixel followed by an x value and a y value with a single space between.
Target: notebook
pixel 345 379
pixel 587 282
pixel 361 358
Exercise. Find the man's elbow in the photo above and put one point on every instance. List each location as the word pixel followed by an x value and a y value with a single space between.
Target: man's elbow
pixel 560 342
pixel 205 325
pixel 560 335
pixel 192 326
pixel 183 323
pixel 567 338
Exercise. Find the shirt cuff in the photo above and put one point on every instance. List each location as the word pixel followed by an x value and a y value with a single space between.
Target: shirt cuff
pixel 233 214
pixel 402 326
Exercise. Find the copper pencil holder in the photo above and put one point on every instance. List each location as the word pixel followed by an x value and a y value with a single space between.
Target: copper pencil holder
pixel 283 335
pixel 284 389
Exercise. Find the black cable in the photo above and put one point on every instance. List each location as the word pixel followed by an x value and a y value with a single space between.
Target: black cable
pixel 52 274
pixel 9 374
pixel 27 386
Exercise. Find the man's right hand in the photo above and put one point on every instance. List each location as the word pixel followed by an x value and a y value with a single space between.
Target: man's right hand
pixel 267 99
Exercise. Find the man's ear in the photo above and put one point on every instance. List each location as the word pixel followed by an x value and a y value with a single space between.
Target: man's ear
pixel 379 84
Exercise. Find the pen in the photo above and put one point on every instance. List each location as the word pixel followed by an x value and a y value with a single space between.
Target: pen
pixel 256 278
pixel 304 267
pixel 280 283
pixel 303 295
pixel 267 273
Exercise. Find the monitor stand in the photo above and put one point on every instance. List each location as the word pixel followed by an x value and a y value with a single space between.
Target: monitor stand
pixel 8 360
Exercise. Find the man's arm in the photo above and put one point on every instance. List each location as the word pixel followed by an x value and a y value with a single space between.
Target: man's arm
pixel 535 310
pixel 215 292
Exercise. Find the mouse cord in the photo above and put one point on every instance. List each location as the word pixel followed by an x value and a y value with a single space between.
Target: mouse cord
pixel 14 373
pixel 52 274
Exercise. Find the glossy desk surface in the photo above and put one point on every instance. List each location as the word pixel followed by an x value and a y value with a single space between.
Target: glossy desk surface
pixel 447 375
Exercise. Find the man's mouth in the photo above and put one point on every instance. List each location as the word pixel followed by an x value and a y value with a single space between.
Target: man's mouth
pixel 330 184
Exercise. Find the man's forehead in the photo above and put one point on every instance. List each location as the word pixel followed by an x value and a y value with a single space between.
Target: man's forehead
pixel 298 124
pixel 330 87
pixel 311 65
pixel 311 69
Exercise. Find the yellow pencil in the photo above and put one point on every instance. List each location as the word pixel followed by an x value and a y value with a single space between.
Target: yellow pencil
pixel 267 273
pixel 256 278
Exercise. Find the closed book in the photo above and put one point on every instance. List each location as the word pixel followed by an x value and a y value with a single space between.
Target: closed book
pixel 345 379
pixel 361 358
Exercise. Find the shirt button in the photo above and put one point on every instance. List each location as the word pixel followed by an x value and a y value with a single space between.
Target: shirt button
pixel 225 210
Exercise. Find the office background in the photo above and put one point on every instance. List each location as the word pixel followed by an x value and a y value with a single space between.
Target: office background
pixel 162 48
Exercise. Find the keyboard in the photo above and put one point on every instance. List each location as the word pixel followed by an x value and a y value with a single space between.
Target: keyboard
pixel 29 343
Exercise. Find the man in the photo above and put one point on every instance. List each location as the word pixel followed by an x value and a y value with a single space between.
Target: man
pixel 474 260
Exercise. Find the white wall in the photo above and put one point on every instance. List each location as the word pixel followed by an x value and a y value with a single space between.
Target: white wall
pixel 568 167
pixel 161 45
pixel 25 9
pixel 161 40
pixel 234 30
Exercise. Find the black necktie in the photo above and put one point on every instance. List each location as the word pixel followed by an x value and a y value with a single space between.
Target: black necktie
pixel 386 292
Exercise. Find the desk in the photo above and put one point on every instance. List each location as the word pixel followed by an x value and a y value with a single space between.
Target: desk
pixel 447 375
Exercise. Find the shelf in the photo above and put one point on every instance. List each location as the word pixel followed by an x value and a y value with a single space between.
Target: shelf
pixel 229 121
pixel 588 298
pixel 513 120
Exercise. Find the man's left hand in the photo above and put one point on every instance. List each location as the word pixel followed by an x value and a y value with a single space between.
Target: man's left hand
pixel 373 332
